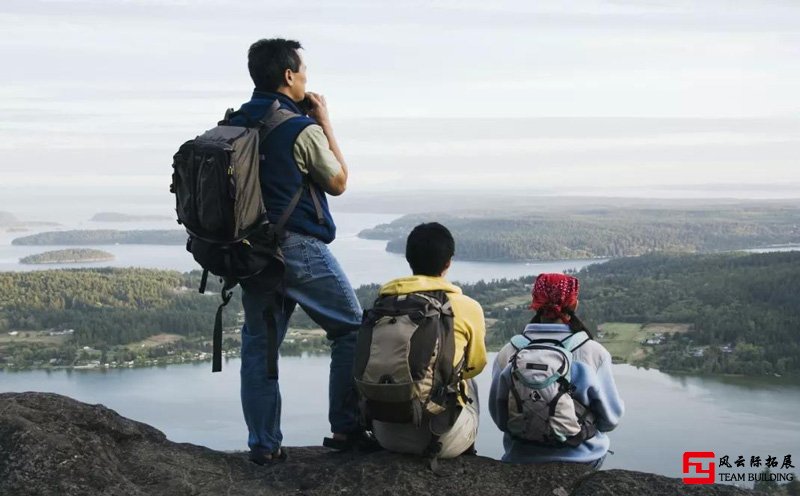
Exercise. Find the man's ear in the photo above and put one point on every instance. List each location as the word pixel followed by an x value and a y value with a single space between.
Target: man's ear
pixel 288 78
pixel 447 265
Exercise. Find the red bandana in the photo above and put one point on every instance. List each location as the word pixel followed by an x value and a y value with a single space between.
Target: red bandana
pixel 554 293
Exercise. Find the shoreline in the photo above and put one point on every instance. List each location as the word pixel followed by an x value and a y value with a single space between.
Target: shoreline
pixel 55 262
pixel 206 357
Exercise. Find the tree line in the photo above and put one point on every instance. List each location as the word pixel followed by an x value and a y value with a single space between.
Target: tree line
pixel 610 233
pixel 747 304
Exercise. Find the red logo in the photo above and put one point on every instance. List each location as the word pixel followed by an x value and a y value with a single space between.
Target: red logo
pixel 695 468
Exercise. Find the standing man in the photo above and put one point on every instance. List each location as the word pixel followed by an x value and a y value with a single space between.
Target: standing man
pixel 301 152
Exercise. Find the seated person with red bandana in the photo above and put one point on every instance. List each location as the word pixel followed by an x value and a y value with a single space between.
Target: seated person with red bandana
pixel 553 392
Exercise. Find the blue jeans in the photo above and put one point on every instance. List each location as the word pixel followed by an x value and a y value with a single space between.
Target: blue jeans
pixel 315 280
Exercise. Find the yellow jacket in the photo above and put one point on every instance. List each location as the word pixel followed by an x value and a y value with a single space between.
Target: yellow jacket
pixel 468 323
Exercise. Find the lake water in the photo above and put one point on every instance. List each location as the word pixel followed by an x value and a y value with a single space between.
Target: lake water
pixel 364 261
pixel 666 415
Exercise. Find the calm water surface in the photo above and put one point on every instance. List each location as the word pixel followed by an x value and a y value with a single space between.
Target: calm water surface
pixel 666 415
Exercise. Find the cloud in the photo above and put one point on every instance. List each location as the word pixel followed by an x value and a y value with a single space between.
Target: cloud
pixel 116 85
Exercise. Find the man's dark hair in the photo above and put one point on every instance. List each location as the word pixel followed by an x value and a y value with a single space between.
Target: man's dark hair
pixel 428 249
pixel 268 60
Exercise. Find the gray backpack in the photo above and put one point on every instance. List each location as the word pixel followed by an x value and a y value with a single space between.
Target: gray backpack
pixel 541 406
pixel 404 369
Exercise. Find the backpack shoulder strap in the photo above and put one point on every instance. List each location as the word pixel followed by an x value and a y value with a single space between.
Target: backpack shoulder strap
pixel 438 299
pixel 520 341
pixel 274 117
pixel 575 340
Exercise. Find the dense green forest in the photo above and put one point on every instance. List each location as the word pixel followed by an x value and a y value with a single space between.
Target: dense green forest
pixel 605 232
pixel 71 255
pixel 106 306
pixel 105 237
pixel 743 310
pixel 750 303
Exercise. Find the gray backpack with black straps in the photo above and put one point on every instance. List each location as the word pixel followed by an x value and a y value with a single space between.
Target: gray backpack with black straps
pixel 542 408
pixel 404 357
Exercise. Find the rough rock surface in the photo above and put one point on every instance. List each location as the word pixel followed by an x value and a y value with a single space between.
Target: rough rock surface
pixel 51 444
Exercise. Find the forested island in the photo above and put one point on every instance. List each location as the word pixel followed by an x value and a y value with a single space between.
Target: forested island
pixel 604 232
pixel 72 255
pixel 105 237
pixel 120 217
pixel 723 313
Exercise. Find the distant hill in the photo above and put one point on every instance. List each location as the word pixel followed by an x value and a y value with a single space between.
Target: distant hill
pixel 8 219
pixel 604 232
pixel 120 217
pixel 105 237
pixel 12 223
pixel 73 255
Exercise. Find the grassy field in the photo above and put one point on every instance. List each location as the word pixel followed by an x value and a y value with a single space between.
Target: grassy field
pixel 41 337
pixel 513 301
pixel 624 341
pixel 154 341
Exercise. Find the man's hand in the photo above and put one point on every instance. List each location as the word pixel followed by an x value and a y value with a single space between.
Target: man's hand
pixel 319 109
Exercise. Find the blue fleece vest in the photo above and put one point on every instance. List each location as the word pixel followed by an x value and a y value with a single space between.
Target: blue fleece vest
pixel 279 174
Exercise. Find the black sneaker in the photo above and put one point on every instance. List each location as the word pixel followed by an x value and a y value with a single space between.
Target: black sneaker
pixel 356 441
pixel 471 451
pixel 263 458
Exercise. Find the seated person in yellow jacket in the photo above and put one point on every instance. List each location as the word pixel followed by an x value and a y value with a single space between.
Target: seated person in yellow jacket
pixel 385 356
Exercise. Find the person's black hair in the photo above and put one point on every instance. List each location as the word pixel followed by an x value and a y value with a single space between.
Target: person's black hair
pixel 268 60
pixel 575 324
pixel 429 248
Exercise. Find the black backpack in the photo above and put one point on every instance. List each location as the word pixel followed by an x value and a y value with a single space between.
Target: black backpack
pixel 216 182
pixel 403 366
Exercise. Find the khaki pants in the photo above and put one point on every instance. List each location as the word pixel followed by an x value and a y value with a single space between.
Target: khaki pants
pixel 405 438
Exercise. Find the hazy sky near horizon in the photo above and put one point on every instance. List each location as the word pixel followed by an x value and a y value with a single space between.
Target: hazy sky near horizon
pixel 671 96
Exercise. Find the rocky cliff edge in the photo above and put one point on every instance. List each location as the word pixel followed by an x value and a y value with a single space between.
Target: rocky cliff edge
pixel 54 445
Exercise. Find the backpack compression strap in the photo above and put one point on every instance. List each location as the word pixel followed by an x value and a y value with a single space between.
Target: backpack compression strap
pixel 216 357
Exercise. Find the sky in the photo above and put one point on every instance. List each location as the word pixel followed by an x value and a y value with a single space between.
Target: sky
pixel 659 98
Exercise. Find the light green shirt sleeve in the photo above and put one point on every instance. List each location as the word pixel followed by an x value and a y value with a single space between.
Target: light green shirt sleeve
pixel 313 155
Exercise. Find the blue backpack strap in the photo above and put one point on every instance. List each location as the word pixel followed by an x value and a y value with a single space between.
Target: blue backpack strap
pixel 575 340
pixel 520 341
